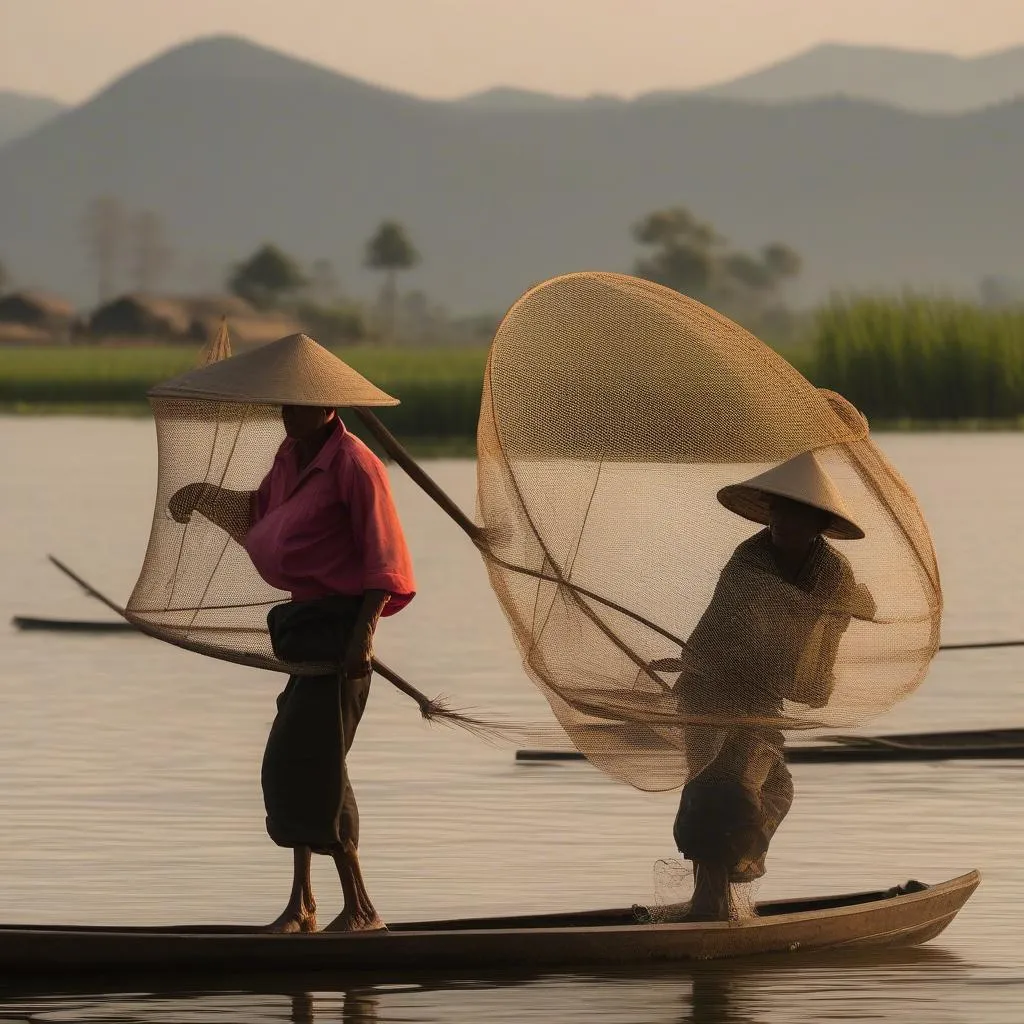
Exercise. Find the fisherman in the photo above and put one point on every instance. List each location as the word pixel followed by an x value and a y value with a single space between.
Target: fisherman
pixel 322 526
pixel 769 636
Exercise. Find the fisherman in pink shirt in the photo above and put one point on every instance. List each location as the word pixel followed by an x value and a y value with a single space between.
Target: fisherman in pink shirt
pixel 321 526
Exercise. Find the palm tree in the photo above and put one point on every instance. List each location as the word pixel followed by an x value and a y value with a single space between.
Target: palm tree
pixel 391 251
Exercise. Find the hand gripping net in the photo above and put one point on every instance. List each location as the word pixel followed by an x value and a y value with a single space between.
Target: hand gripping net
pixel 613 411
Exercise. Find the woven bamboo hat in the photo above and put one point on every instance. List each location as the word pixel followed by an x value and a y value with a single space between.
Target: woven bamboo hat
pixel 290 371
pixel 800 479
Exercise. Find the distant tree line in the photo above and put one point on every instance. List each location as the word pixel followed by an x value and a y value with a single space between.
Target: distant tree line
pixel 122 243
pixel 679 249
pixel 271 279
pixel 690 256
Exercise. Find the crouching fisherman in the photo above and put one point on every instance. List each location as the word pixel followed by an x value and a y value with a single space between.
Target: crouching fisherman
pixel 322 526
pixel 770 635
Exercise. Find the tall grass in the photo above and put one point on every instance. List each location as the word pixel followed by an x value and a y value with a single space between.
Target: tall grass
pixel 908 359
pixel 921 358
pixel 439 388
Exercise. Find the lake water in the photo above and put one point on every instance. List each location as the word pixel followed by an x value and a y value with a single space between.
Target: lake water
pixel 129 775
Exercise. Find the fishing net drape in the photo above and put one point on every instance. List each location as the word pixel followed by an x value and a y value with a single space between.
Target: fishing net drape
pixel 198 586
pixel 613 412
pixel 220 425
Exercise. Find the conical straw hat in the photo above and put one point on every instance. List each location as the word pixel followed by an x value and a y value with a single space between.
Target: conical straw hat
pixel 291 371
pixel 800 478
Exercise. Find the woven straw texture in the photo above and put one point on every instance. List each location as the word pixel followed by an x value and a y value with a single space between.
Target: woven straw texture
pixel 290 371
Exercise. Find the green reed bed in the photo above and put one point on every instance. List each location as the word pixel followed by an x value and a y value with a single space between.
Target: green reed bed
pixel 906 362
pixel 922 360
pixel 439 388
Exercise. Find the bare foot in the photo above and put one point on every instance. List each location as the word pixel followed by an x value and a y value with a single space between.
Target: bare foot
pixel 357 922
pixel 293 921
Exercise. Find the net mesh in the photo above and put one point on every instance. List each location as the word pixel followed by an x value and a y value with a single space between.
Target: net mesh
pixel 673 885
pixel 613 412
pixel 197 585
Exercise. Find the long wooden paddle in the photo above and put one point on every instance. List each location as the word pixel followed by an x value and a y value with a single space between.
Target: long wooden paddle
pixel 433 710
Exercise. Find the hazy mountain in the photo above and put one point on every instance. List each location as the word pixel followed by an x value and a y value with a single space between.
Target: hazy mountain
pixel 503 98
pixel 234 145
pixel 20 113
pixel 912 80
pixel 928 82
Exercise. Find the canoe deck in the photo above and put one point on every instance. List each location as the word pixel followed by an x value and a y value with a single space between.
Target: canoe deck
pixel 979 744
pixel 902 916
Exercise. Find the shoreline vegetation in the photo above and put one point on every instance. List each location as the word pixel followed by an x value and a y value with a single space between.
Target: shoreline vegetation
pixel 909 364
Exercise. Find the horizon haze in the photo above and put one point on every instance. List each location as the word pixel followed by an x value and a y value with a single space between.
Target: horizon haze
pixel 444 49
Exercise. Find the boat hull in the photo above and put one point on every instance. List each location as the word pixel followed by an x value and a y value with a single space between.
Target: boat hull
pixel 903 916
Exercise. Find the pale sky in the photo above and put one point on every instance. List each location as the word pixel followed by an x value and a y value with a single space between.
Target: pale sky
pixel 69 49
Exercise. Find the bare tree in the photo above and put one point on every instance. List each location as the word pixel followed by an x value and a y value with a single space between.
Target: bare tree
pixel 151 255
pixel 323 282
pixel 104 235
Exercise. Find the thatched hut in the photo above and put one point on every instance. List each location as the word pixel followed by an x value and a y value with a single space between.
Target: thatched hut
pixel 142 316
pixel 30 307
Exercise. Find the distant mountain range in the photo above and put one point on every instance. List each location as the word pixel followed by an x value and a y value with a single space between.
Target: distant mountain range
pixel 909 79
pixel 233 144
pixel 925 82
pixel 20 114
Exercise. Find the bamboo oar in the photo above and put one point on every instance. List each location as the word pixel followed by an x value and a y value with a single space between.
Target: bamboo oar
pixel 431 710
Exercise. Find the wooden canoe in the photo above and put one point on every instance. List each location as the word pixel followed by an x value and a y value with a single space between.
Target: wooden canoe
pixel 981 744
pixel 73 625
pixel 902 916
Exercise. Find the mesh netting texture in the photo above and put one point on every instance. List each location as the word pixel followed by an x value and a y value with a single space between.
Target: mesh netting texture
pixel 614 410
pixel 197 585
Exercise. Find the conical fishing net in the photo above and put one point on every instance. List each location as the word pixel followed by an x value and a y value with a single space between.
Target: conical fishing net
pixel 614 410
pixel 198 586
pixel 220 425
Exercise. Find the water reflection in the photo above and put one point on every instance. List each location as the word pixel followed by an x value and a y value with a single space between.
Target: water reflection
pixel 358 1006
pixel 900 986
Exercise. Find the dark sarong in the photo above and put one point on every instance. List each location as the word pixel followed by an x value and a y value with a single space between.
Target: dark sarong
pixel 306 789
pixel 728 820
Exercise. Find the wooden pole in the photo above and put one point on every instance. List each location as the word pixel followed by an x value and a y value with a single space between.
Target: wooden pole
pixel 394 448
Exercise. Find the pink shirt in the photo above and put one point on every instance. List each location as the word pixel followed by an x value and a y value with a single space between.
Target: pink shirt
pixel 331 528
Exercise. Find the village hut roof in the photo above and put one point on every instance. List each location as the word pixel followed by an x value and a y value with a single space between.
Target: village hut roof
pixel 49 304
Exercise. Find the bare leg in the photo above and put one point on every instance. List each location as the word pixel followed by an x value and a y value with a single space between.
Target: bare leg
pixel 300 914
pixel 710 893
pixel 359 914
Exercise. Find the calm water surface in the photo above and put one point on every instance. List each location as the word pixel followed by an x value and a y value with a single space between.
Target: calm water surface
pixel 129 775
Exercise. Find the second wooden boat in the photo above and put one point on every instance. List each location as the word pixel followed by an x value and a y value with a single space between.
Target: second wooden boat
pixel 984 744
pixel 72 625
